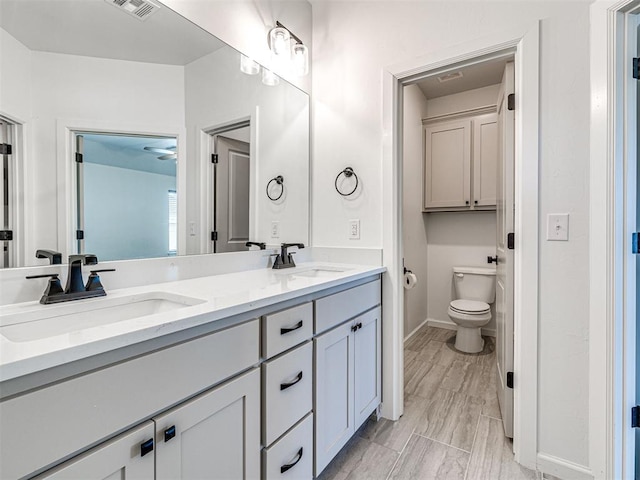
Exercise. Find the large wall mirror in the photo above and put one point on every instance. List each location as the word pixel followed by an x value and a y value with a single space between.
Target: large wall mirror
pixel 139 135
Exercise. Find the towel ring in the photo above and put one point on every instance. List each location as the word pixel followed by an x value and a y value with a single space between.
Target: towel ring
pixel 347 172
pixel 280 181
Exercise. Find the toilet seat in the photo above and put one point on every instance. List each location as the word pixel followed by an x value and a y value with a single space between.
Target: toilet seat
pixel 469 307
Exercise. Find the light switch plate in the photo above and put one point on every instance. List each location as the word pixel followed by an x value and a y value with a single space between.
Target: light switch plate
pixel 354 229
pixel 558 226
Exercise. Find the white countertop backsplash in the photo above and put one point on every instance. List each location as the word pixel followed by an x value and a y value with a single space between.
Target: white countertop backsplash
pixel 228 284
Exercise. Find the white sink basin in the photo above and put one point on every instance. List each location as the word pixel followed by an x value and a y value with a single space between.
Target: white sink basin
pixel 318 272
pixel 51 320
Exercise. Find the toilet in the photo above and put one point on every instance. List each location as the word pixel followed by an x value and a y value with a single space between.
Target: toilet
pixel 475 290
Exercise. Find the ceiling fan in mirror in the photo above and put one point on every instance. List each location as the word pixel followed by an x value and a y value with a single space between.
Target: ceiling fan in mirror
pixel 168 153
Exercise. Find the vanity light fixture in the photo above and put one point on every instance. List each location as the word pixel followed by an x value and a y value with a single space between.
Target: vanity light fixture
pixel 280 44
pixel 269 78
pixel 249 66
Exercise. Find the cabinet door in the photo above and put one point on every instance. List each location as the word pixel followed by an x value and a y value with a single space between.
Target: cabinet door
pixel 485 159
pixel 333 394
pixel 367 365
pixel 216 435
pixel 118 459
pixel 447 180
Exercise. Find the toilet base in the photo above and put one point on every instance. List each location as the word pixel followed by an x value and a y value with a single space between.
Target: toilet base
pixel 469 340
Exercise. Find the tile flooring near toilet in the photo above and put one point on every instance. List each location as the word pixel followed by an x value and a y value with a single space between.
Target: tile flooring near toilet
pixel 451 427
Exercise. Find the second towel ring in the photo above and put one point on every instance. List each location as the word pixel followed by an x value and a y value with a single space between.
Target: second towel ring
pixel 347 172
pixel 280 181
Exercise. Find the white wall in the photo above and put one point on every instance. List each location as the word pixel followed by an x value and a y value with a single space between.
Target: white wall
pixel 129 212
pixel 15 77
pixel 244 25
pixel 414 230
pixel 353 43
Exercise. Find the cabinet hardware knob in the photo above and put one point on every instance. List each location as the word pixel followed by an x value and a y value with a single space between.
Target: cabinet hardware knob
pixel 354 328
pixel 289 466
pixel 475 201
pixel 359 325
pixel 298 325
pixel 466 202
pixel 284 386
pixel 492 259
pixel 169 433
pixel 146 447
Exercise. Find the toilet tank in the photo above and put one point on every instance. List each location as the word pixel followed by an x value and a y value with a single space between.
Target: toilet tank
pixel 475 283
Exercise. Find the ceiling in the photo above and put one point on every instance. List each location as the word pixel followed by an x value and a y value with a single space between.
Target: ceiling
pixel 96 28
pixel 473 76
pixel 127 151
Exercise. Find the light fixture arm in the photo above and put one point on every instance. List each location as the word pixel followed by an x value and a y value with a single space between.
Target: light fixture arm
pixel 278 24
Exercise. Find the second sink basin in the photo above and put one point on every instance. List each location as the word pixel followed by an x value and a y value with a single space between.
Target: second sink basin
pixel 318 272
pixel 49 321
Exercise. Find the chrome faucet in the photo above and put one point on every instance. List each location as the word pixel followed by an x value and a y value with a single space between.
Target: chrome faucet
pixel 75 289
pixel 285 259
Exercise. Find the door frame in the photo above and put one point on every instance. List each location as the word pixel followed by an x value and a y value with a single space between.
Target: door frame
pixel 612 317
pixel 67 181
pixel 523 42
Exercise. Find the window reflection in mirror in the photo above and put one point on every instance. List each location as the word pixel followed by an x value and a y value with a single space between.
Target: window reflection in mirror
pixel 126 202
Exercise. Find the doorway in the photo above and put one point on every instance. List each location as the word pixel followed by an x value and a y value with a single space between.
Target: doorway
pixel 523 44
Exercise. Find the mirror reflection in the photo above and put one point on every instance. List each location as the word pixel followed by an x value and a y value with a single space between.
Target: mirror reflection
pixel 147 104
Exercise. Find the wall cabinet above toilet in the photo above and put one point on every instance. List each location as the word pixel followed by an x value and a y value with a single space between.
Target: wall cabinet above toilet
pixel 460 164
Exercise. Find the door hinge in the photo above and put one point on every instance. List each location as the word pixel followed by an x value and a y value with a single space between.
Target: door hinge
pixel 214 158
pixel 635 243
pixel 511 101
pixel 636 68
pixel 510 241
pixel 6 235
pixel 79 234
pixel 214 236
pixel 635 417
pixel 5 149
pixel 79 157
pixel 510 379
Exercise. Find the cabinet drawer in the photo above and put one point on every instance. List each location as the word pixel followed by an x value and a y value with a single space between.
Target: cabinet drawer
pixel 335 309
pixel 286 391
pixel 286 329
pixel 291 457
pixel 60 420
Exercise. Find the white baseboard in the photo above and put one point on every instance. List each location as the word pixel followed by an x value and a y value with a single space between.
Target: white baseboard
pixel 449 325
pixel 413 332
pixel 561 468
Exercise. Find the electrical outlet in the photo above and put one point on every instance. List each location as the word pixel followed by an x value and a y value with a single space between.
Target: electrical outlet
pixel 354 229
pixel 558 226
pixel 192 229
pixel 275 229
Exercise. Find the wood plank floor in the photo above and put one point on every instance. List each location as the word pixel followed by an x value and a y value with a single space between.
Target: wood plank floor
pixel 451 427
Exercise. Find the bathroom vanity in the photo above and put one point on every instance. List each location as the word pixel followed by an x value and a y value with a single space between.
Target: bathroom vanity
pixel 245 375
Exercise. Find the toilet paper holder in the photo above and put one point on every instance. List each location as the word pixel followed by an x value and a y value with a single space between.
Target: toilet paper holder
pixel 406 270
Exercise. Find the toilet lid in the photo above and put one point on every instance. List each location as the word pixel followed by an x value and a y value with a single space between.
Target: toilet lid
pixel 470 306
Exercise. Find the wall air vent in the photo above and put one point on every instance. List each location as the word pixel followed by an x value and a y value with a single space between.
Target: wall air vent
pixel 141 9
pixel 449 76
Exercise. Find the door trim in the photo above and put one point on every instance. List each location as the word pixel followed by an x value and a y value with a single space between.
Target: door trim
pixel 522 40
pixel 609 319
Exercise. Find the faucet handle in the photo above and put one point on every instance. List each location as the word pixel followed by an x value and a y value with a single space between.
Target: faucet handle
pixel 54 287
pixel 93 282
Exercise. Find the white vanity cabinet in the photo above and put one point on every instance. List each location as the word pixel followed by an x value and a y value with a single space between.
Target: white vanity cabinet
pixel 129 456
pixel 460 164
pixel 347 368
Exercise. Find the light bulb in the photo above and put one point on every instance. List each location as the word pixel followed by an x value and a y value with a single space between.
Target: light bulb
pixel 279 41
pixel 300 59
pixel 269 78
pixel 248 66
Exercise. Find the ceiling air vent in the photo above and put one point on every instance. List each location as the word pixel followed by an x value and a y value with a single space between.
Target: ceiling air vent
pixel 141 9
pixel 449 76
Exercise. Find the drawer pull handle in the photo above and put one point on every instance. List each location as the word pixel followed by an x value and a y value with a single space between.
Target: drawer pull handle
pixel 284 386
pixel 284 331
pixel 169 433
pixel 289 466
pixel 146 447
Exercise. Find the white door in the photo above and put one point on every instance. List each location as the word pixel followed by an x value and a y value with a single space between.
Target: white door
pixel 485 159
pixel 216 435
pixel 505 226
pixel 231 208
pixel 366 366
pixel 333 395
pixel 127 457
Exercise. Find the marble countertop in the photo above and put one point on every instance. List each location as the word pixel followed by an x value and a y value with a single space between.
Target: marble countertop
pixel 215 297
